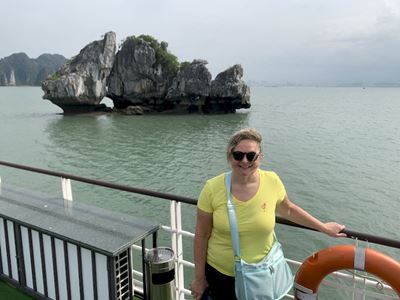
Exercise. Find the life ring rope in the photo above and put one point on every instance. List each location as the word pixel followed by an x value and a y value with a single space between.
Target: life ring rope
pixel 359 258
pixel 326 261
pixel 303 293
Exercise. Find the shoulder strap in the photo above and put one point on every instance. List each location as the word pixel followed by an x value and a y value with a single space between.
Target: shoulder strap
pixel 232 216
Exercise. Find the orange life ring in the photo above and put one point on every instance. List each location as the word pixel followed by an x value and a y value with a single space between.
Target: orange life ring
pixel 316 267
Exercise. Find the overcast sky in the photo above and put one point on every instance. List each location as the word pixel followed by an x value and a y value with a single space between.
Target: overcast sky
pixel 277 41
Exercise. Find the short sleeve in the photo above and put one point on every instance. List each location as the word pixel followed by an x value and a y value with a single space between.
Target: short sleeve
pixel 205 199
pixel 280 188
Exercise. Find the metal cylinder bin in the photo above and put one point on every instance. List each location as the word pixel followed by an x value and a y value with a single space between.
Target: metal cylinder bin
pixel 160 274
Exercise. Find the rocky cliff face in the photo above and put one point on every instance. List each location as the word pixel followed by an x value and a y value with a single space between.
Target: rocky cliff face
pixel 190 87
pixel 80 85
pixel 18 69
pixel 192 80
pixel 229 91
pixel 138 77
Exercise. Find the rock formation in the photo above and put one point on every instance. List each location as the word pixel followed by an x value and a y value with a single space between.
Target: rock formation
pixel 80 85
pixel 228 91
pixel 194 91
pixel 143 77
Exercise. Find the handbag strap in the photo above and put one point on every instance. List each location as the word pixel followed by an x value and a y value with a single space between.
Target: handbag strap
pixel 232 217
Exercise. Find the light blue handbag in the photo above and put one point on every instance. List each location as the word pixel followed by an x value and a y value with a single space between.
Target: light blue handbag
pixel 269 279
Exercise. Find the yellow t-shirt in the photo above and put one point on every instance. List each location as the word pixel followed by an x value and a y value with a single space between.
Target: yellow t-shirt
pixel 255 219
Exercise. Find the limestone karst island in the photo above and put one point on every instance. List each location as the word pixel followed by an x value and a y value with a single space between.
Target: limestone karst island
pixel 142 77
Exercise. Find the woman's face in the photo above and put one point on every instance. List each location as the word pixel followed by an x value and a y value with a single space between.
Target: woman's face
pixel 245 158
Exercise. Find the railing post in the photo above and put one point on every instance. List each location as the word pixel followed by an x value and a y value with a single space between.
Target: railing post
pixel 177 247
pixel 66 188
pixel 132 268
pixel 173 241
pixel 67 195
pixel 359 294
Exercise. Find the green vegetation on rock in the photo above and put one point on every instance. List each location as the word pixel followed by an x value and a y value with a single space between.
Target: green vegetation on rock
pixel 184 64
pixel 54 76
pixel 167 60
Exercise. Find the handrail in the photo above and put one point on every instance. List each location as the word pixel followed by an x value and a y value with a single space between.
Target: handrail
pixel 103 183
pixel 350 233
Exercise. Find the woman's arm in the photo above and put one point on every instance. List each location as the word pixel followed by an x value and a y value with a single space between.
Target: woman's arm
pixel 296 214
pixel 202 234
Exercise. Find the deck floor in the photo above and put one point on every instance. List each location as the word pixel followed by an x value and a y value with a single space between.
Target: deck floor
pixel 7 291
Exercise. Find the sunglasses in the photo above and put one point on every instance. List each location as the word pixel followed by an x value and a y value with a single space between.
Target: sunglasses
pixel 239 155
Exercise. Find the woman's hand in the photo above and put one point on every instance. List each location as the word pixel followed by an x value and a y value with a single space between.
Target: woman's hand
pixel 197 287
pixel 334 229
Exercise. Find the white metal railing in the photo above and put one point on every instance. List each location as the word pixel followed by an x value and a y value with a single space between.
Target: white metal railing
pixel 177 233
pixel 176 229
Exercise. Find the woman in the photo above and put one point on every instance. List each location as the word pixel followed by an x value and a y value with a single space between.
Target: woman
pixel 257 195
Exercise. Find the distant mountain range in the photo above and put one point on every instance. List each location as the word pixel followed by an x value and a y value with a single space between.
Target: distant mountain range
pixel 18 69
pixel 262 83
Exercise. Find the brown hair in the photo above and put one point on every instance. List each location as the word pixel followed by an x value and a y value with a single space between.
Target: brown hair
pixel 241 135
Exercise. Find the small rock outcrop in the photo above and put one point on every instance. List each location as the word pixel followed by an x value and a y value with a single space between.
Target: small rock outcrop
pixel 80 85
pixel 130 110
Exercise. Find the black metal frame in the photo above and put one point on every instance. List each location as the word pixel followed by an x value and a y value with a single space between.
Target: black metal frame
pixel 6 237
pixel 20 258
pixel 43 259
pixel 80 273
pixel 21 282
pixel 66 264
pixel 55 270
pixel 94 274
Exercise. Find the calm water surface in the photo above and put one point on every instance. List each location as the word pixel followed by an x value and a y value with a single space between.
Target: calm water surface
pixel 337 151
